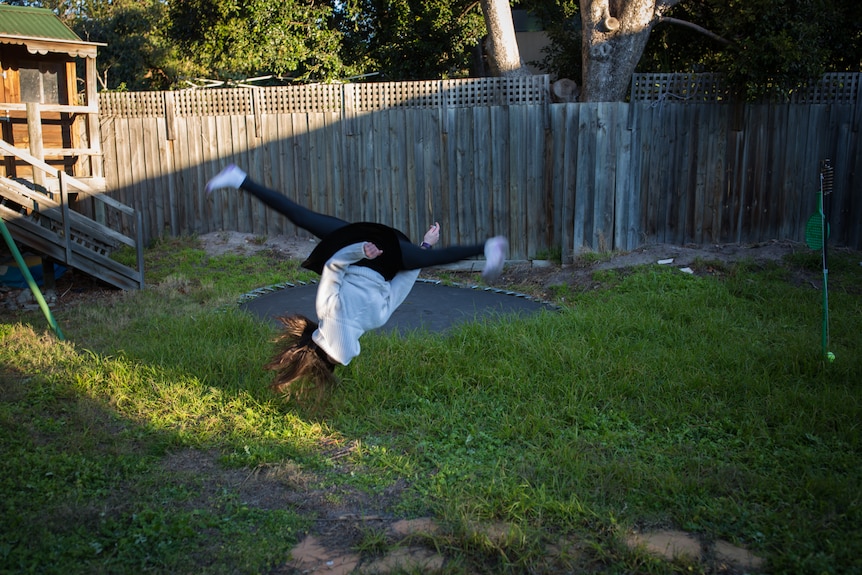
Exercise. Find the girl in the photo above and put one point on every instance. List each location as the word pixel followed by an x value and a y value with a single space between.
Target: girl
pixel 366 271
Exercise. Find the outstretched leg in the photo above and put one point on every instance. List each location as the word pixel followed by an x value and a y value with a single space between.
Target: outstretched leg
pixel 413 257
pixel 320 225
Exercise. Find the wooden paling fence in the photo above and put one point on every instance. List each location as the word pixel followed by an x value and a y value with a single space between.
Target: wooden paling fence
pixel 681 163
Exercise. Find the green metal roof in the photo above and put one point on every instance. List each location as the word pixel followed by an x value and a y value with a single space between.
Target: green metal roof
pixel 27 22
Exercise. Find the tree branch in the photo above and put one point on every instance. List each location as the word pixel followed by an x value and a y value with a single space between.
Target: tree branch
pixel 696 28
pixel 467 9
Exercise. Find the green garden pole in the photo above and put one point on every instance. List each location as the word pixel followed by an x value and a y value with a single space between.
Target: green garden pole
pixel 30 281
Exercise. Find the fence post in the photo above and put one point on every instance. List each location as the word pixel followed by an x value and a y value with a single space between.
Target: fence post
pixel 170 116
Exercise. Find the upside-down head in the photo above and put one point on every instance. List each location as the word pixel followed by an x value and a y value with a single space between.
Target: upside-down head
pixel 303 370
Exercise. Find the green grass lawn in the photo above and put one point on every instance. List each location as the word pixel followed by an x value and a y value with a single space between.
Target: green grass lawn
pixel 699 403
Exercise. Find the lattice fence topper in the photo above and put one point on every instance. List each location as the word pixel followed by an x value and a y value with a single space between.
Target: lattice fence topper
pixel 832 88
pixel 840 88
pixel 679 88
pixel 361 97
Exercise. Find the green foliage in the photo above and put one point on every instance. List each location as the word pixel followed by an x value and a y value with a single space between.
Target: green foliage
pixel 137 56
pixel 243 38
pixel 410 39
pixel 775 46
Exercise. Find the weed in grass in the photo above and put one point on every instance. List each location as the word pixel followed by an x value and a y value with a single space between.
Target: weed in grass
pixel 587 258
pixel 561 292
pixel 372 541
pixel 554 254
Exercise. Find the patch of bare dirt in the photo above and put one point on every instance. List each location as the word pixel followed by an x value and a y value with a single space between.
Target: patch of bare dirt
pixel 220 243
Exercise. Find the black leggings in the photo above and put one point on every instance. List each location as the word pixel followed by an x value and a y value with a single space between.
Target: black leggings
pixel 320 225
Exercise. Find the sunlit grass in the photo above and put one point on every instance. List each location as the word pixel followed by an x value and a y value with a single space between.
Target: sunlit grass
pixel 663 399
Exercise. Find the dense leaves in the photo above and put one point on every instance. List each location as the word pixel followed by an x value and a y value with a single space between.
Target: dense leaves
pixel 411 39
pixel 242 38
pixel 769 47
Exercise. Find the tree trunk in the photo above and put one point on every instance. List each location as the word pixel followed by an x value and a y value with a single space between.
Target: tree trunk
pixel 504 58
pixel 615 33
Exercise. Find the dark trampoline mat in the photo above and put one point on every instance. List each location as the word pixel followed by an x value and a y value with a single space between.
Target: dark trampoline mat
pixel 431 306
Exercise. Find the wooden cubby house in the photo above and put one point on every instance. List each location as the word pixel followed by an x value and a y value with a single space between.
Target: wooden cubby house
pixel 52 189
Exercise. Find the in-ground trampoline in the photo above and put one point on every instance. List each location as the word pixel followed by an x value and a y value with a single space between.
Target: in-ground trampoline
pixel 431 305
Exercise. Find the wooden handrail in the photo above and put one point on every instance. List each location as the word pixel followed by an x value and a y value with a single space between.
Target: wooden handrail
pixel 65 181
pixel 52 152
pixel 9 149
pixel 62 108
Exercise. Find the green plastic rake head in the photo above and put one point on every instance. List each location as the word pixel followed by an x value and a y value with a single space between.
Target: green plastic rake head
pixel 816 228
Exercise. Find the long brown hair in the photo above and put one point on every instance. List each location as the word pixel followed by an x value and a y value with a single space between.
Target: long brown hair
pixel 303 370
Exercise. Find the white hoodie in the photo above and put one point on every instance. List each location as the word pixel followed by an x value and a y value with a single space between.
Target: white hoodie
pixel 353 299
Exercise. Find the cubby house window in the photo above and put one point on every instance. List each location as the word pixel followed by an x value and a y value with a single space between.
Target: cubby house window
pixel 40 82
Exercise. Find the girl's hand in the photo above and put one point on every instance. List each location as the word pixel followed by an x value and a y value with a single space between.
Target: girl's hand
pixel 432 236
pixel 371 250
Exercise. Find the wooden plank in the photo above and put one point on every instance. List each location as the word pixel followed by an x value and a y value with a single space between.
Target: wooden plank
pixel 194 180
pixel 302 160
pixel 462 209
pixel 432 155
pixel 397 183
pixel 245 203
pixel 273 166
pixel 650 154
pixel 555 170
pixel 500 171
pixel 518 225
pixel 159 202
pixel 448 165
pixel 317 169
pixel 602 238
pixel 681 175
pixel 842 163
pixel 230 199
pixel 352 176
pixel 138 180
pixel 853 181
pixel 364 195
pixel 780 209
pixel 717 176
pixel 770 207
pixel 416 222
pixel 668 193
pixel 166 180
pixel 110 161
pixel 743 188
pixel 572 242
pixel 626 191
pixel 585 179
pixel 333 136
pixel 213 163
pixel 378 192
pixel 481 150
pixel 182 213
pixel 534 189
pixel 449 233
pixel 795 185
pixel 290 165
pixel 256 153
